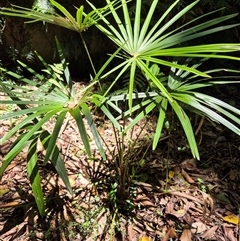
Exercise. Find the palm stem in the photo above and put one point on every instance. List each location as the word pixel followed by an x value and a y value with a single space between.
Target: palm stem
pixel 89 57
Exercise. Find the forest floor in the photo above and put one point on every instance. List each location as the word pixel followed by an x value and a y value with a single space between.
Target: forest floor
pixel 171 195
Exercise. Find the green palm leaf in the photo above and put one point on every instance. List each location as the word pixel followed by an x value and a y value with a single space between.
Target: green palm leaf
pixel 160 123
pixel 56 160
pixel 93 128
pixel 79 24
pixel 187 127
pixel 138 43
pixel 206 104
pixel 76 114
pixel 54 136
pixel 22 143
pixel 34 176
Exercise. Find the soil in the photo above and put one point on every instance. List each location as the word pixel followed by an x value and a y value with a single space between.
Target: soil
pixel 171 196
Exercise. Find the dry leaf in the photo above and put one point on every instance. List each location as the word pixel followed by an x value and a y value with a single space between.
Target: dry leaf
pixel 144 238
pixel 187 177
pixel 10 233
pixel 4 148
pixel 149 228
pixel 231 219
pixel 148 204
pixel 10 204
pixel 170 234
pixel 3 191
pixel 171 174
pixel 208 203
pixel 145 201
pixel 189 164
pixel 186 235
pixel 180 212
pixel 83 181
pixel 102 219
pixel 130 232
pixel 65 214
pixel 198 227
pixel 209 234
pixel 229 233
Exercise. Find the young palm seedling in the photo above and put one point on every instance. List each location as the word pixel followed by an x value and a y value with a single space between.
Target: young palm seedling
pixel 39 100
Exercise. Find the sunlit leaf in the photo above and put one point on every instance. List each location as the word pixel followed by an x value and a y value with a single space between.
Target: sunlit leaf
pixel 3 191
pixel 187 126
pixel 77 115
pixel 54 136
pixel 144 238
pixel 56 159
pixel 160 122
pixel 93 128
pixel 34 176
pixel 231 219
pixel 171 174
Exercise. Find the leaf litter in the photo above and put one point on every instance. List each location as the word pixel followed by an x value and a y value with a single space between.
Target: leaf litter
pixel 175 196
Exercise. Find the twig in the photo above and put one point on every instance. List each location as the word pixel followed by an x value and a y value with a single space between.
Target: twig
pixel 200 125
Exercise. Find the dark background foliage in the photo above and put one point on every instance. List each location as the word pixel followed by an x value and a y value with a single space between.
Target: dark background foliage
pixel 18 40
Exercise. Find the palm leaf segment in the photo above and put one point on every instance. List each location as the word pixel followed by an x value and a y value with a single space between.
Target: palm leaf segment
pixel 80 23
pixel 40 100
pixel 140 44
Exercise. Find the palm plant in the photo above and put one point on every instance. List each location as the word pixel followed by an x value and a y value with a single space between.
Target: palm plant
pixel 40 100
pixel 53 96
pixel 141 46
pixel 185 88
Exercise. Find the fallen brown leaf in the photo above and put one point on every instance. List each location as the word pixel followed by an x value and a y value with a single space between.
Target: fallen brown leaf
pixel 184 195
pixel 208 204
pixel 10 204
pixel 198 227
pixel 145 201
pixel 170 234
pixel 189 164
pixel 131 234
pixel 187 177
pixel 229 233
pixel 186 235
pixel 209 234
